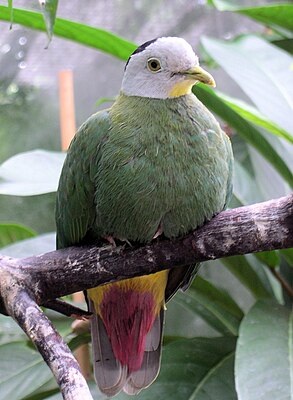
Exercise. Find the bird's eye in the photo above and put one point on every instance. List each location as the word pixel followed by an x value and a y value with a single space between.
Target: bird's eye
pixel 154 65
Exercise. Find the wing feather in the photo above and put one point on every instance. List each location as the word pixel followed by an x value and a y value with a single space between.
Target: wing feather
pixel 75 208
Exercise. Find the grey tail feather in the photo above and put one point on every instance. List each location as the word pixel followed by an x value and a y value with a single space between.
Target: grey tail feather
pixel 109 374
pixel 150 367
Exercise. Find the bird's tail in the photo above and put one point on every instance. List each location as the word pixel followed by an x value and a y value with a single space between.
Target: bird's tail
pixel 127 330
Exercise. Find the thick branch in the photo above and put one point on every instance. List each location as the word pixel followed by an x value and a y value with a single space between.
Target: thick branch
pixel 260 227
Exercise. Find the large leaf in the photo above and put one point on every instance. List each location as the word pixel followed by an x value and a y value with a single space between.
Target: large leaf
pixel 288 255
pixel 31 173
pixel 214 305
pixel 247 131
pixel 10 233
pixel 87 35
pixel 262 70
pixel 264 357
pixel 22 370
pixel 285 44
pixel 245 188
pixel 30 247
pixel 10 331
pixel 255 282
pixel 49 9
pixel 271 14
pixel 251 114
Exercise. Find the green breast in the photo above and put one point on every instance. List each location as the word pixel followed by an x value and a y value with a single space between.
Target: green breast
pixel 163 162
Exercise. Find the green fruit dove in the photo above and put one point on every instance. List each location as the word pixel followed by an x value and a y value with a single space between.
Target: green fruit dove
pixel 155 164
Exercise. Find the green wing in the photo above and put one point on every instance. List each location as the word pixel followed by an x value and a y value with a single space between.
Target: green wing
pixel 75 209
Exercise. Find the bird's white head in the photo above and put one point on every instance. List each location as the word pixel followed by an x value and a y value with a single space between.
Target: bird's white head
pixel 163 68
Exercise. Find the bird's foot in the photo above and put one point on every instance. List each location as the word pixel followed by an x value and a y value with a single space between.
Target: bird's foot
pixel 80 326
pixel 81 317
pixel 110 240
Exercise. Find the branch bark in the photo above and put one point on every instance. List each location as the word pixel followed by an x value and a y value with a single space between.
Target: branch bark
pixel 27 283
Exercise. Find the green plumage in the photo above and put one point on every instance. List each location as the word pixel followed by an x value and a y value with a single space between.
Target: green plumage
pixel 152 164
pixel 142 164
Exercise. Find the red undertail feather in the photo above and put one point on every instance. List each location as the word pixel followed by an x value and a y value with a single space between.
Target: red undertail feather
pixel 128 318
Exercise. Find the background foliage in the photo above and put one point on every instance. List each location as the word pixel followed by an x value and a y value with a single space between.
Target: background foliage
pixel 245 348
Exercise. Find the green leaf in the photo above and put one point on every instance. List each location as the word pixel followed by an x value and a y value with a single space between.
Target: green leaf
pixel 240 267
pixel 31 173
pixel 30 247
pixel 45 394
pixel 10 233
pixel 170 339
pixel 214 305
pixel 10 9
pixel 22 370
pixel 264 357
pixel 83 34
pixel 49 9
pixel 252 114
pixel 10 331
pixel 247 131
pixel 271 14
pixel 269 258
pixel 285 44
pixel 79 340
pixel 265 75
pixel 288 255
pixel 247 193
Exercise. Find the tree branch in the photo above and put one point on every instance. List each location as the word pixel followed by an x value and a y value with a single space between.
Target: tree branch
pixel 50 344
pixel 36 280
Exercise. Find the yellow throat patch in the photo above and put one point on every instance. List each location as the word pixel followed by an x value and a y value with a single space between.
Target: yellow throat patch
pixel 181 88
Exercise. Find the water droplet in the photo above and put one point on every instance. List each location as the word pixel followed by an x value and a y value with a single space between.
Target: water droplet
pixel 22 40
pixel 5 48
pixel 12 88
pixel 19 55
pixel 22 65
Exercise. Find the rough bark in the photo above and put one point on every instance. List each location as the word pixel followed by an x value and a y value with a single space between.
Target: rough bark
pixel 27 283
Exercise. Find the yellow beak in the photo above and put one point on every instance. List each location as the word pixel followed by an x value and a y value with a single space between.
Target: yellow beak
pixel 200 75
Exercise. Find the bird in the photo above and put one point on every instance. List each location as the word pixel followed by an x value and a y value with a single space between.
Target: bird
pixel 156 164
